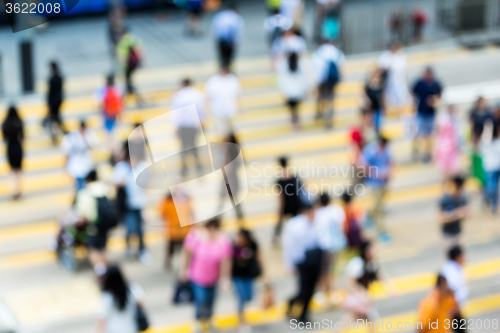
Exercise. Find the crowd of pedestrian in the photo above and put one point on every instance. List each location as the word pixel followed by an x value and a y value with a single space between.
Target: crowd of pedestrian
pixel 312 232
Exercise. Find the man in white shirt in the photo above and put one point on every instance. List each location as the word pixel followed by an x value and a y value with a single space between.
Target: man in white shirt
pixel 123 175
pixel 187 127
pixel 223 91
pixel 327 60
pixel 302 253
pixel 227 28
pixel 454 272
pixel 329 223
pixel 77 147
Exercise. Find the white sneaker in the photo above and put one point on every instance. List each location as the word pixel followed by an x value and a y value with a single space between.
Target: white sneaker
pixel 145 258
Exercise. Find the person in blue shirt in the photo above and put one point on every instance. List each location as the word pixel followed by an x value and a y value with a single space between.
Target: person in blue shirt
pixel 427 91
pixel 378 164
pixel 227 28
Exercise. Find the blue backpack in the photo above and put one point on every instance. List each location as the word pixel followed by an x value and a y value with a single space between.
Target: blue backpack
pixel 333 76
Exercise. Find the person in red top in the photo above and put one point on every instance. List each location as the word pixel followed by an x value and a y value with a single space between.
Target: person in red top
pixel 111 103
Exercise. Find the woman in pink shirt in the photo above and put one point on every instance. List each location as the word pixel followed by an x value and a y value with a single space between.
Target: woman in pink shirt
pixel 207 259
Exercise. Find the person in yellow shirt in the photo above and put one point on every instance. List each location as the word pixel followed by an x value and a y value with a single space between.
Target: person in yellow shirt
pixel 438 308
pixel 172 213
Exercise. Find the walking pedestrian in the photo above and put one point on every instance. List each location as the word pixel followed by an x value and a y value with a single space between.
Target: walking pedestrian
pixel 329 222
pixel 439 306
pixel 123 176
pixel 111 102
pixel 288 42
pixel 478 117
pixel 378 169
pixel 246 267
pixel 352 223
pixel 172 213
pixel 119 303
pixel 77 147
pixel 289 201
pixel 360 136
pixel 361 272
pixel 55 97
pixel 490 156
pixel 130 56
pixel 453 210
pixel 327 60
pixel 303 255
pixel 276 25
pixel 454 272
pixel 374 94
pixel 232 183
pixel 427 91
pixel 13 135
pixel 419 19
pixel 447 146
pixel 193 22
pixel 323 7
pixel 186 127
pixel 393 64
pixel 93 205
pixel 207 262
pixel 227 28
pixel 294 83
pixel 223 92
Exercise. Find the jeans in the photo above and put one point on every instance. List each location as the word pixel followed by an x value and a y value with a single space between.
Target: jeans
pixel 79 183
pixel 492 188
pixel 133 221
pixel 204 298
pixel 378 119
pixel 244 290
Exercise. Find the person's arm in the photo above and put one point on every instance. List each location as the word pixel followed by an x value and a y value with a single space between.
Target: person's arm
pixel 225 273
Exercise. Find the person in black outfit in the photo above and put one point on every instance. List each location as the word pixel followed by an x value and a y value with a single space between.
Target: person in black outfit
pixel 289 201
pixel 12 129
pixel 54 101
pixel 246 267
pixel 374 91
pixel 478 116
pixel 453 210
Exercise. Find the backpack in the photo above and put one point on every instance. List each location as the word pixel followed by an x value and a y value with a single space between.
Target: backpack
pixel 113 103
pixel 107 217
pixel 134 58
pixel 333 75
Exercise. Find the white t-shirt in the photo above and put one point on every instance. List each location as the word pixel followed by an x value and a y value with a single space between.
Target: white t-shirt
pixel 329 223
pixel 322 57
pixel 77 148
pixel 123 174
pixel 223 92
pixel 184 97
pixel 455 276
pixel 490 152
pixel 120 321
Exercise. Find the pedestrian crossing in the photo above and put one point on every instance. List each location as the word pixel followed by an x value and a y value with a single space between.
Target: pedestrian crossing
pixel 265 132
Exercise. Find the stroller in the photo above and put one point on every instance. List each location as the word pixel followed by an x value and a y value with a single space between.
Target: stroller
pixel 71 242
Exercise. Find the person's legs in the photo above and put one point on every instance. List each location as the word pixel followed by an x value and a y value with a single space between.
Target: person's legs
pixel 204 298
pixel 377 212
pixel 329 109
pixel 311 272
pixel 492 189
pixel 293 105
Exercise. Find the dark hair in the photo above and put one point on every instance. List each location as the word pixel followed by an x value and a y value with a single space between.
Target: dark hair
pixel 54 67
pixel 346 197
pixel 324 199
pixel 213 223
pixel 91 176
pixel 283 161
pixel 186 82
pixel 440 280
pixel 110 80
pixel 12 121
pixel 82 124
pixel 382 140
pixel 293 62
pixel 455 252
pixel 458 181
pixel 364 250
pixel 232 138
pixel 247 235
pixel 275 11
pixel 115 284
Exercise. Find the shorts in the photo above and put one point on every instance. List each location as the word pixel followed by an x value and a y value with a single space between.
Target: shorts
pixel 425 125
pixel 98 241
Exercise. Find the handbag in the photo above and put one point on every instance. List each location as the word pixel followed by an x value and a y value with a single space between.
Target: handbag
pixel 183 293
pixel 141 318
